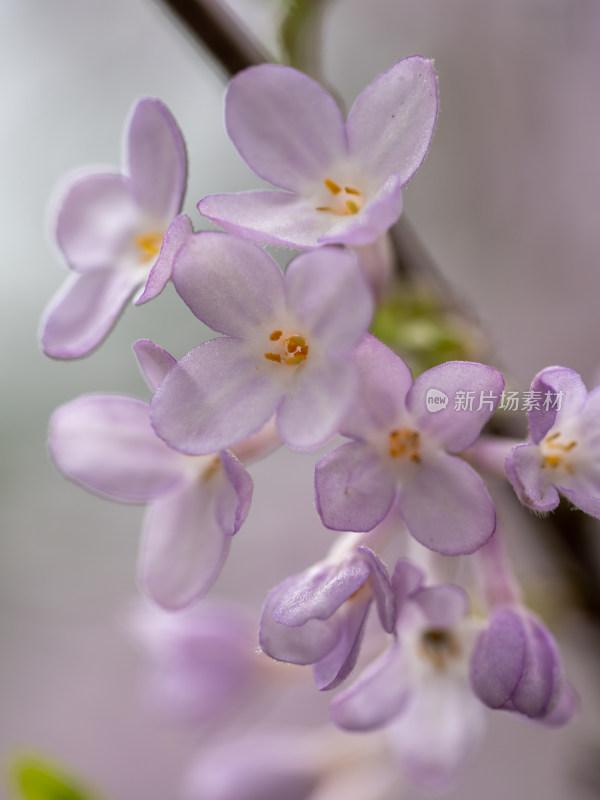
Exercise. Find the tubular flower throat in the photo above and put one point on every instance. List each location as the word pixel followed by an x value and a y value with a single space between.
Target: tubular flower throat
pixel 291 349
pixel 404 443
pixel 148 245
pixel 438 646
pixel 345 200
pixel 555 450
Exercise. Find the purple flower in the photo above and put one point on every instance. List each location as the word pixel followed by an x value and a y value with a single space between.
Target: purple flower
pixel 419 687
pixel 285 351
pixel 342 182
pixel 317 617
pixel 403 453
pixel 564 452
pixel 202 661
pixel 117 232
pixel 517 666
pixel 106 444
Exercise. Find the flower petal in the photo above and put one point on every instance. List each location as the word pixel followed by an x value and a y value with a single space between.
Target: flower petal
pixel 444 605
pixel 384 381
pixel 572 399
pixel 381 586
pixel 84 311
pixel 234 495
pixel 156 159
pixel 335 667
pixel 407 578
pixel 214 398
pixel 379 694
pixel 105 443
pixel 321 286
pixel 565 709
pixel 177 233
pixel 376 216
pixel 153 361
pixel 184 549
pixel 315 404
pixel 456 427
pixel 286 127
pixel 268 217
pixel 229 284
pixel 95 219
pixel 446 506
pixel 353 490
pixel 391 122
pixel 524 471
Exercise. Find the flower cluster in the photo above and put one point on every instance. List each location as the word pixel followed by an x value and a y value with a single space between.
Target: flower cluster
pixel 293 363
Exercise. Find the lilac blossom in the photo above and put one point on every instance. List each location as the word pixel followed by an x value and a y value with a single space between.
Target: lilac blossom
pixel 517 666
pixel 202 662
pixel 403 454
pixel 419 688
pixel 106 444
pixel 564 451
pixel 286 348
pixel 341 181
pixel 318 616
pixel 118 232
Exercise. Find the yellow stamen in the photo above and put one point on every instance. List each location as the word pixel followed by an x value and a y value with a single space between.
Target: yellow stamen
pixel 325 208
pixel 276 335
pixel 273 357
pixel 297 359
pixel 404 443
pixel 149 244
pixel 352 207
pixel 349 190
pixel 333 187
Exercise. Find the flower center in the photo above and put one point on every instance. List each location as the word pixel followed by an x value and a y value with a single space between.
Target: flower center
pixel 289 349
pixel 439 646
pixel 148 245
pixel 344 200
pixel 404 443
pixel 556 450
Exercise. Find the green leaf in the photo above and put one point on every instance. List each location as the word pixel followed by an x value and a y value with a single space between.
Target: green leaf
pixel 36 778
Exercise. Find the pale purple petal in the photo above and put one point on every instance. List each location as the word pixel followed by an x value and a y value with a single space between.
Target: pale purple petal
pixel 286 127
pixel 564 710
pixel 443 605
pixel 153 361
pixel 339 662
pixel 177 233
pixel 457 429
pixel 304 644
pixel 379 694
pixel 438 731
pixel 316 402
pixel 384 380
pixel 498 661
pixel 184 549
pixel 353 490
pixel 321 286
pixel 105 443
pixel 590 503
pixel 84 311
pixel 555 380
pixel 267 217
pixel 234 495
pixel 214 398
pixel 446 506
pixel 529 480
pixel 391 122
pixel 156 159
pixel 377 215
pixel 381 587
pixel 541 682
pixel 229 284
pixel 318 592
pixel 407 578
pixel 96 218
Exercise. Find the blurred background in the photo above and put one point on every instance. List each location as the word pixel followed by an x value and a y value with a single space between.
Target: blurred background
pixel 507 204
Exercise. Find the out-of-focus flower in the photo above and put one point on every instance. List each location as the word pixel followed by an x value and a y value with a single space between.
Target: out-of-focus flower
pixel 202 661
pixel 403 453
pixel 117 232
pixel 342 182
pixel 419 688
pixel 517 666
pixel 564 452
pixel 286 349
pixel 106 444
pixel 318 616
